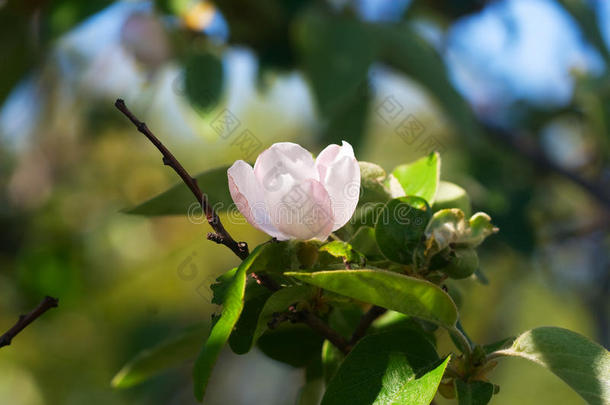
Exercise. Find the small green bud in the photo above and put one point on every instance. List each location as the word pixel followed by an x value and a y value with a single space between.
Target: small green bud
pixel 462 263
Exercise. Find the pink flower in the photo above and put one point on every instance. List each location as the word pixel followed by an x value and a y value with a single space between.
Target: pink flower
pixel 289 195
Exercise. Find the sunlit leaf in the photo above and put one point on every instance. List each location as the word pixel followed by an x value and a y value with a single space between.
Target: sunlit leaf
pixel 233 303
pixel 581 363
pixel 420 178
pixel 387 368
pixel 344 251
pixel 408 295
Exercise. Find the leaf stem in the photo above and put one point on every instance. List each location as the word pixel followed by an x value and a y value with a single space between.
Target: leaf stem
pixel 365 323
pixel 496 355
pixel 458 335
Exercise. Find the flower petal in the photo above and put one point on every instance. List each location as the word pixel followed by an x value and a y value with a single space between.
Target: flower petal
pixel 340 175
pixel 303 211
pixel 283 165
pixel 247 194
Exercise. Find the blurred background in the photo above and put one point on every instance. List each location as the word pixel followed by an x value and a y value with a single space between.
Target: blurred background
pixel 515 94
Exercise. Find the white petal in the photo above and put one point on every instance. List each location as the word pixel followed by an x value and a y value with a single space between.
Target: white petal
pixel 283 165
pixel 303 211
pixel 247 194
pixel 340 175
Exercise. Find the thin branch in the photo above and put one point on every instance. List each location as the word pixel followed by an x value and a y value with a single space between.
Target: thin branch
pixel 326 331
pixel 24 320
pixel 365 322
pixel 220 234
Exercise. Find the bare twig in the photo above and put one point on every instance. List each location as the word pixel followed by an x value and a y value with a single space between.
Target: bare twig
pixel 326 331
pixel 220 234
pixel 365 323
pixel 24 320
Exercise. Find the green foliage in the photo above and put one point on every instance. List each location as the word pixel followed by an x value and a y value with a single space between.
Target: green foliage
pixel 387 368
pixel 420 178
pixel 233 302
pixel 474 392
pixel 408 295
pixel 296 345
pixel 331 360
pixel 241 338
pixel 167 354
pixel 364 241
pixel 179 200
pixel 279 303
pixel 400 227
pixel 581 363
pixel 203 79
pixel 344 251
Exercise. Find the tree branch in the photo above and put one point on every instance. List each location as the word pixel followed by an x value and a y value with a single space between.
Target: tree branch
pixel 326 331
pixel 24 320
pixel 220 234
pixel 365 322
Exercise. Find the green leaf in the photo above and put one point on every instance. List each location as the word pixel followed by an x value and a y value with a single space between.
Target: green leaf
pixel 474 392
pixel 408 295
pixel 179 200
pixel 279 302
pixel 203 79
pixel 581 363
pixel 387 368
pixel 241 338
pixel 364 241
pixel 221 285
pixel 331 360
pixel 344 251
pixel 400 227
pixel 451 195
pixel 420 178
pixel 167 354
pixel 233 303
pixel 294 344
